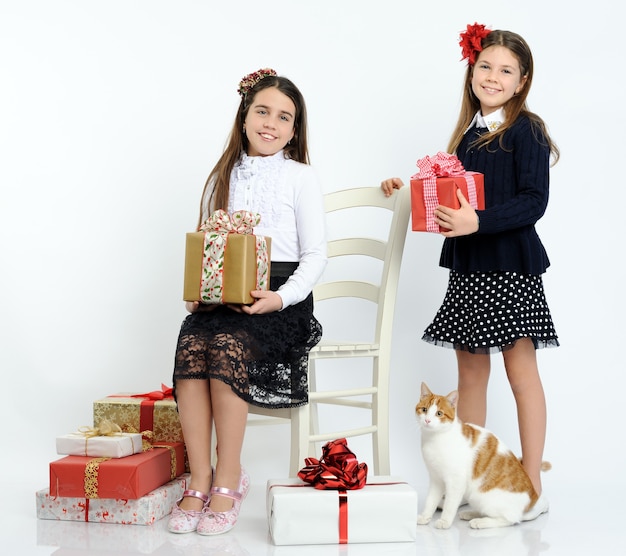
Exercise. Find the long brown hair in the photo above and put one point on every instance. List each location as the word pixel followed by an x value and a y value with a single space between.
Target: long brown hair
pixel 515 107
pixel 215 193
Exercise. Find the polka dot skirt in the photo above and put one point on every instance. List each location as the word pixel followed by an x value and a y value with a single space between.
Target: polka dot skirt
pixel 486 312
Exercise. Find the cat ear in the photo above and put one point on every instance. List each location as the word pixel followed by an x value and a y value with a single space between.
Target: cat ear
pixel 425 391
pixel 453 398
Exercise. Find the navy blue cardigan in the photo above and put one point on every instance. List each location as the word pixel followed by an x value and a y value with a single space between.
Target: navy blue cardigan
pixel 516 196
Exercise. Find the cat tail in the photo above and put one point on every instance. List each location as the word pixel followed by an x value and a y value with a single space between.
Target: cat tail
pixel 545 465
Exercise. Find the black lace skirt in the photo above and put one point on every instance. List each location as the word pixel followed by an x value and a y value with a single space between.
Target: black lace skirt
pixel 262 357
pixel 487 312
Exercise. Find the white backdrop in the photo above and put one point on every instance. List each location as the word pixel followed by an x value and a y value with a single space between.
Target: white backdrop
pixel 112 114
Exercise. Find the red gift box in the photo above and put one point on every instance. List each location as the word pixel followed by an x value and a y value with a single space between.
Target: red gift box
pixel 130 477
pixel 436 184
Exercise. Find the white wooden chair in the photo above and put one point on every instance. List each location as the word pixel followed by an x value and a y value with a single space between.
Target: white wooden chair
pixel 373 396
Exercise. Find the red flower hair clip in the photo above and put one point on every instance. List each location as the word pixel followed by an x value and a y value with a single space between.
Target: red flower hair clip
pixel 252 79
pixel 471 42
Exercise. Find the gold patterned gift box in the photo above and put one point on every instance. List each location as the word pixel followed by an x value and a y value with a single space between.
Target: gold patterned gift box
pixel 152 411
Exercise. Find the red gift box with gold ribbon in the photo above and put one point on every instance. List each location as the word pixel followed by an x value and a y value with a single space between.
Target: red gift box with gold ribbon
pixel 334 502
pixel 436 184
pixel 129 477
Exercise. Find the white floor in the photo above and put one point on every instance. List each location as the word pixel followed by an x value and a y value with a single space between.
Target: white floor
pixel 583 519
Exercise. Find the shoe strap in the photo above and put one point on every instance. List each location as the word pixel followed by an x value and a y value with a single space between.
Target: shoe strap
pixel 196 494
pixel 227 492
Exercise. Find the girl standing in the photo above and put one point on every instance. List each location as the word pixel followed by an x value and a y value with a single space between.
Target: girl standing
pixel 229 356
pixel 495 299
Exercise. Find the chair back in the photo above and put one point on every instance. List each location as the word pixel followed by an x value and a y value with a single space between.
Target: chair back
pixel 386 249
pixel 373 396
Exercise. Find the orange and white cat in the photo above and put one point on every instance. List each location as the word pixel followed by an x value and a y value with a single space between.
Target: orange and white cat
pixel 468 463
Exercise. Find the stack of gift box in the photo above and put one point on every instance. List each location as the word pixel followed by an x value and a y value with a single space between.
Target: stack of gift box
pixel 137 473
pixel 128 468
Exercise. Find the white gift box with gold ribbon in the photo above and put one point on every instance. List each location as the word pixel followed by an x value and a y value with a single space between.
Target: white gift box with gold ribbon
pixel 104 441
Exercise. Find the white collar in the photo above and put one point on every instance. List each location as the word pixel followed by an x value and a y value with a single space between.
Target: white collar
pixel 273 160
pixel 492 121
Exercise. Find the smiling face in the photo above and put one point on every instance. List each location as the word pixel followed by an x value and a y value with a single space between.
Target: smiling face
pixel 497 76
pixel 269 124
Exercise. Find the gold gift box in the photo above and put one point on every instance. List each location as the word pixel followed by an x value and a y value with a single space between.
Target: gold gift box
pixel 239 267
pixel 139 413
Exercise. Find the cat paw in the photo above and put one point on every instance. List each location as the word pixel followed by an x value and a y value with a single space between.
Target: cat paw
pixel 442 524
pixel 479 523
pixel 423 520
pixel 489 522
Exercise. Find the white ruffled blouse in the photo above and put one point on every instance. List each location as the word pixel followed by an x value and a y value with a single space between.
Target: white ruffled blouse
pixel 288 196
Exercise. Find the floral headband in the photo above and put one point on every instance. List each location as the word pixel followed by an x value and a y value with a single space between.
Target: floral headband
pixel 471 42
pixel 252 79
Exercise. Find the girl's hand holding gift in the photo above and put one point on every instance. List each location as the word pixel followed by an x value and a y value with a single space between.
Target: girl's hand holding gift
pixel 193 306
pixel 458 222
pixel 264 302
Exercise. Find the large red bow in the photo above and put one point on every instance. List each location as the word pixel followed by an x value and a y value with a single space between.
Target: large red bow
pixel 165 393
pixel 338 468
pixel 442 165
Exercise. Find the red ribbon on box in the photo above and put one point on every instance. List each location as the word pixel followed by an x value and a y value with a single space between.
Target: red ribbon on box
pixel 165 393
pixel 337 470
pixel 442 165
pixel 146 407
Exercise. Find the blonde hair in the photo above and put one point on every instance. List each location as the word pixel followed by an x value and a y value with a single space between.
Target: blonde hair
pixel 514 108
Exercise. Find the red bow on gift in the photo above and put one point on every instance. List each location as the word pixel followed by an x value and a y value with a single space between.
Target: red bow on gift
pixel 442 165
pixel 338 468
pixel 165 393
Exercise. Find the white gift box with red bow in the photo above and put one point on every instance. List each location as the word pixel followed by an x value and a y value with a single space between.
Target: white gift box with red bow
pixel 383 511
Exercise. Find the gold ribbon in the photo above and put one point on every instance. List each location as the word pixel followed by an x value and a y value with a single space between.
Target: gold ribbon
pixel 109 428
pixel 91 477
pixel 105 428
pixel 172 459
pixel 146 443
pixel 146 436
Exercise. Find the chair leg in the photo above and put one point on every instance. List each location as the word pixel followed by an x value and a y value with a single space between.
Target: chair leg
pixel 380 416
pixel 381 454
pixel 314 423
pixel 300 424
